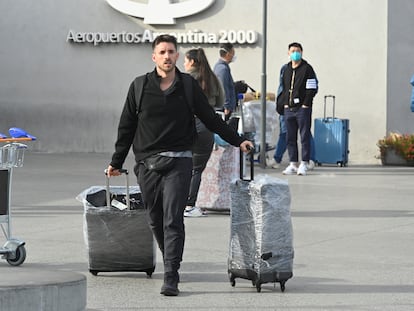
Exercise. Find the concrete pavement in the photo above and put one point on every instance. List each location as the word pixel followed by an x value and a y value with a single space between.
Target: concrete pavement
pixel 353 237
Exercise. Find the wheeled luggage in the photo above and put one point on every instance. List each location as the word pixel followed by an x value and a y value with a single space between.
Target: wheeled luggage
pixel 222 168
pixel 331 138
pixel 251 111
pixel 261 238
pixel 117 238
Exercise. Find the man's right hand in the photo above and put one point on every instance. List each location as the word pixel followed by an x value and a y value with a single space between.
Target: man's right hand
pixel 111 171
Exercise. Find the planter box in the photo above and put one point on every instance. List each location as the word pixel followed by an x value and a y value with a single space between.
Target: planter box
pixel 390 157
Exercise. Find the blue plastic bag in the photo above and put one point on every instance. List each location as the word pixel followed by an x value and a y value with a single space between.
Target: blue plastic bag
pixel 412 94
pixel 220 141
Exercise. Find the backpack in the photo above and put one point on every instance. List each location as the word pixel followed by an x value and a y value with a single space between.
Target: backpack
pixel 140 82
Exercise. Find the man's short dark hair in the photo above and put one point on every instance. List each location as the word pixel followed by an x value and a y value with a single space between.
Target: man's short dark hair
pixel 296 45
pixel 164 38
pixel 225 48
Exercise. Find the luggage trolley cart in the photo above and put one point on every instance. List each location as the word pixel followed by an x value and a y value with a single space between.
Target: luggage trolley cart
pixel 11 156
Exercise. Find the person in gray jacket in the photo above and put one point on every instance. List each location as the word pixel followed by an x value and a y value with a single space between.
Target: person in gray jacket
pixel 222 71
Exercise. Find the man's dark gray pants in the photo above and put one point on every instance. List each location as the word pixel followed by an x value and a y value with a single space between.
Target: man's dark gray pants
pixel 165 196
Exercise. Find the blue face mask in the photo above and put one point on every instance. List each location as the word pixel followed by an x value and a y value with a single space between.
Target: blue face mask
pixel 296 56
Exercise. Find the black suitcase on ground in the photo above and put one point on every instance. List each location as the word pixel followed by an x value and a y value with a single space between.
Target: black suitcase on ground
pixel 117 240
pixel 261 239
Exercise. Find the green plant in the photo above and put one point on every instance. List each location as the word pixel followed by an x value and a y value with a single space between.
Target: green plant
pixel 403 145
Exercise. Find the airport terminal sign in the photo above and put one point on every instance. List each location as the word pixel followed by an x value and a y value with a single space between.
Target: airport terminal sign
pixel 189 37
pixel 162 12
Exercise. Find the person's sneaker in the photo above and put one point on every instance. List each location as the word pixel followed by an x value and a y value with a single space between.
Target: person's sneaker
pixel 290 170
pixel 170 286
pixel 194 212
pixel 302 169
pixel 271 162
pixel 276 165
pixel 311 165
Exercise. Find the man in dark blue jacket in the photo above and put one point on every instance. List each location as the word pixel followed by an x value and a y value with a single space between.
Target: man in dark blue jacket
pixel 300 85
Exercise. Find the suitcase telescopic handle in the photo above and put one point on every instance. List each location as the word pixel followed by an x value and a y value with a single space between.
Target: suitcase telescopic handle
pixel 108 193
pixel 325 100
pixel 250 154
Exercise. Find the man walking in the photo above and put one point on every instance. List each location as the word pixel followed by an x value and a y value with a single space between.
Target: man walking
pixel 158 121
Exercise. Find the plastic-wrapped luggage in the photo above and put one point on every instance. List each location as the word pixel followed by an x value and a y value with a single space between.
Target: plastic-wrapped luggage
pixel 222 168
pixel 261 238
pixel 117 239
pixel 252 116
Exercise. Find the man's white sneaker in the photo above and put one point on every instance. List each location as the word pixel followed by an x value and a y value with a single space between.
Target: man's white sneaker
pixel 290 170
pixel 311 165
pixel 302 169
pixel 194 212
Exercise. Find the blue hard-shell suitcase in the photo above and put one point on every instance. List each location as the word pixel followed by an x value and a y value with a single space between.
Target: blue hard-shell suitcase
pixel 331 137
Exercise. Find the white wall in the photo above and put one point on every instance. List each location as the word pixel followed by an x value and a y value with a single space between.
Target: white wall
pixel 400 66
pixel 71 95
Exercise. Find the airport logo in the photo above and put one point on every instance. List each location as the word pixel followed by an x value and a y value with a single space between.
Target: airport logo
pixel 160 12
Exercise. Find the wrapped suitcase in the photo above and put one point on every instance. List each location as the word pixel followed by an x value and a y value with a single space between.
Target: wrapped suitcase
pixel 261 238
pixel 222 168
pixel 331 138
pixel 116 232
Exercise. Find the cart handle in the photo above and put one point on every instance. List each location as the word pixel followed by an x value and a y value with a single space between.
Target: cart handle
pixel 12 140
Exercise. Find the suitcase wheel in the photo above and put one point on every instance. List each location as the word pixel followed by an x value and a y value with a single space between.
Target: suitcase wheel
pixel 232 279
pixel 94 272
pixel 149 272
pixel 282 286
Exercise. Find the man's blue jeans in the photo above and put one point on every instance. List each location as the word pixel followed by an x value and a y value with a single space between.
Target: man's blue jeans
pixel 281 143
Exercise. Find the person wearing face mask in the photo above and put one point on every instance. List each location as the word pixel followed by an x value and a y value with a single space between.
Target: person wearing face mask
pixel 298 85
pixel 222 71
